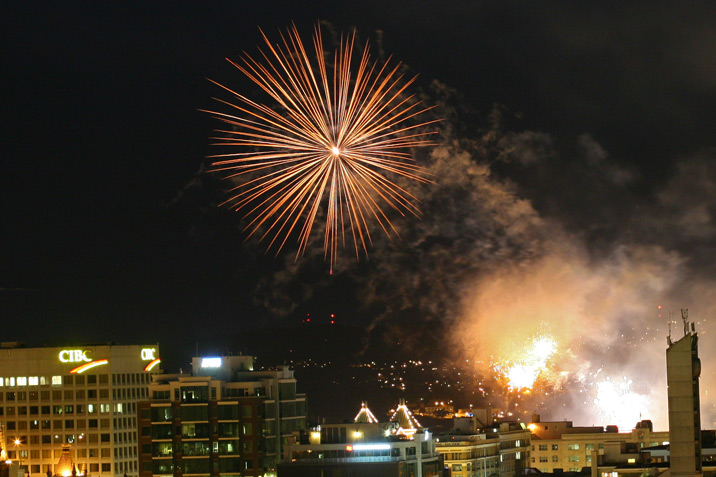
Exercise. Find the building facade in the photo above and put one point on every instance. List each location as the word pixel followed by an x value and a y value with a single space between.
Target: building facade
pixel 558 445
pixel 683 369
pixel 362 449
pixel 502 450
pixel 224 419
pixel 84 397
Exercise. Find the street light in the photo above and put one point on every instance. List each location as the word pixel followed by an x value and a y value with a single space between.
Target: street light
pixel 17 443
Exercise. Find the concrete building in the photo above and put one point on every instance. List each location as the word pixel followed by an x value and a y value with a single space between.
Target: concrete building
pixel 470 455
pixel 683 368
pixel 498 450
pixel 83 397
pixel 560 446
pixel 224 419
pixel 364 449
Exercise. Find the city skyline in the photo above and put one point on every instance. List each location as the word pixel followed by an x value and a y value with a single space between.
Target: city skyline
pixel 572 202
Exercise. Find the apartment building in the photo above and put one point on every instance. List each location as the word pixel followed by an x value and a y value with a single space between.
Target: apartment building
pixel 223 419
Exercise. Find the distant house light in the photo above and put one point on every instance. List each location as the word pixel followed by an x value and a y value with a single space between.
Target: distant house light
pixel 210 362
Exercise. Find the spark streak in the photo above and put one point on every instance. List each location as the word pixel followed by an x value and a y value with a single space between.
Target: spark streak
pixel 333 139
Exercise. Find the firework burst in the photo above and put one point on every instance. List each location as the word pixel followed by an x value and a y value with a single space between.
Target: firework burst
pixel 335 133
pixel 529 364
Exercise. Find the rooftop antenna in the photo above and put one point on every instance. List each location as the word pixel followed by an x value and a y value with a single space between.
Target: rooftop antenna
pixel 668 338
pixel 671 321
pixel 685 318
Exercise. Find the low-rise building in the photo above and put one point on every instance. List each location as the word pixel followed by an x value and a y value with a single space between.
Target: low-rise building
pixel 364 448
pixel 499 450
pixel 558 445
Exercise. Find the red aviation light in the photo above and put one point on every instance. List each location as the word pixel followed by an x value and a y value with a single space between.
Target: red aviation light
pixel 349 448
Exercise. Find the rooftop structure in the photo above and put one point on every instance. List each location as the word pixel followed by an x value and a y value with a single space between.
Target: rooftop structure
pixel 408 424
pixel 365 415
pixel 363 449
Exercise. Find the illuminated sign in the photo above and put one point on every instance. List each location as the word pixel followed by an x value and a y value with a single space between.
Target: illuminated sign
pixel 75 356
pixel 81 369
pixel 152 364
pixel 362 447
pixel 148 354
pixel 210 362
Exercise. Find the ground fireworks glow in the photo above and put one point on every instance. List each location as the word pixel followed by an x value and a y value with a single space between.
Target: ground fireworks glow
pixel 337 129
pixel 523 371
pixel 618 404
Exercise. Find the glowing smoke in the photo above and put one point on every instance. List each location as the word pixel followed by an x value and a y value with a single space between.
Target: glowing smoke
pixel 526 365
pixel 588 275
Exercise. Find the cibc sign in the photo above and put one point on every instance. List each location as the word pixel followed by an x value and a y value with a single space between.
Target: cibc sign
pixel 148 354
pixel 75 356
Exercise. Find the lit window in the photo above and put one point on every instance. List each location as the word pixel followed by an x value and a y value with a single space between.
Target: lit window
pixel 573 447
pixel 43 381
pixel 2 381
pixel 57 380
pixel 118 407
pixel 11 382
pixel 22 381
pixel 631 461
pixel 33 380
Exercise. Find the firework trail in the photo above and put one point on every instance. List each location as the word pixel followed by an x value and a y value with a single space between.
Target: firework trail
pixel 335 134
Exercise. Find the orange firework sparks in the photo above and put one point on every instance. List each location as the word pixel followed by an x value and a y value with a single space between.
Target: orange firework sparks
pixel 333 134
pixel 522 372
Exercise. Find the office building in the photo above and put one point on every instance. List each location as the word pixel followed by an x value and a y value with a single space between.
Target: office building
pixel 80 397
pixel 225 418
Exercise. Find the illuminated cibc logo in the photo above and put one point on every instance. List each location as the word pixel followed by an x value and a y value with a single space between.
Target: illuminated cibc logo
pixel 148 354
pixel 75 356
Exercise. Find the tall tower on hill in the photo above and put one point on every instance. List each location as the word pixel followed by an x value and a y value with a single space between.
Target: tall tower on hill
pixel 683 368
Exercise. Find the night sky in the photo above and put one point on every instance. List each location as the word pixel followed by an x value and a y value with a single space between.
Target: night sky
pixel 576 148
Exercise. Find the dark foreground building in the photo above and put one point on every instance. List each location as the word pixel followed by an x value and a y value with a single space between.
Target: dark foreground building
pixel 223 420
